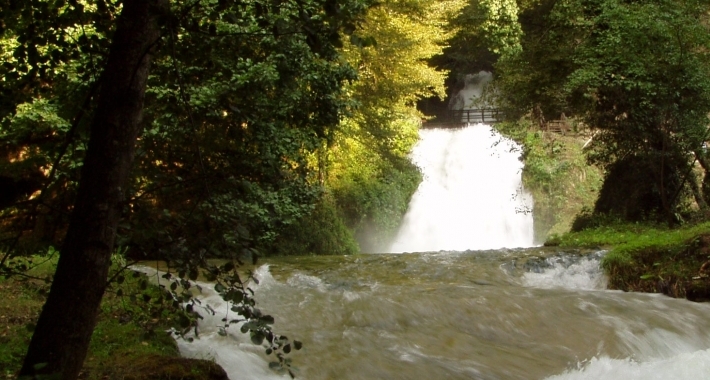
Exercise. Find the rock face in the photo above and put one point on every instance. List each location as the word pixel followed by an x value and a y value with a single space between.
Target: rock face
pixel 156 367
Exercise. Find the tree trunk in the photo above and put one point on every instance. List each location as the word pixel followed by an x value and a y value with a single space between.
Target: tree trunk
pixel 61 339
pixel 697 193
pixel 702 159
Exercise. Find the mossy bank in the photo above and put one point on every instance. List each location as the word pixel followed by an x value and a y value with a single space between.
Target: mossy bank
pixel 556 174
pixel 651 258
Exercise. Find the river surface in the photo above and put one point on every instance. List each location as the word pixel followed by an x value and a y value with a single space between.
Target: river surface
pixel 462 312
pixel 501 314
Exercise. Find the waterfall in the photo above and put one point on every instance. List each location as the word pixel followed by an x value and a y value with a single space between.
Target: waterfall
pixel 471 196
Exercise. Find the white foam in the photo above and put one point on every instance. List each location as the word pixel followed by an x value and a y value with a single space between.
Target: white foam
pixel 234 352
pixel 686 366
pixel 300 280
pixel 586 274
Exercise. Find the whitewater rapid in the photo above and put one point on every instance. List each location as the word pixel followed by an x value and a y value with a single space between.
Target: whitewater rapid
pixel 506 314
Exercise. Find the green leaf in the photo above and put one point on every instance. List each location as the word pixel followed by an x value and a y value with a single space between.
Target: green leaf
pixel 257 337
pixel 184 321
pixel 275 365
pixel 267 319
pixel 235 296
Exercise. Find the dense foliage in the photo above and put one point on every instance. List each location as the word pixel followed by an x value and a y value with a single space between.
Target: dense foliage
pixel 278 126
pixel 241 140
pixel 557 175
pixel 368 169
pixel 635 72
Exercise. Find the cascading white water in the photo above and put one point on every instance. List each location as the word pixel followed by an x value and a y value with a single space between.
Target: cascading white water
pixel 459 315
pixel 471 196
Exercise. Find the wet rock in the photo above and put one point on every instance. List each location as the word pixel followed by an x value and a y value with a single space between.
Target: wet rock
pixel 157 367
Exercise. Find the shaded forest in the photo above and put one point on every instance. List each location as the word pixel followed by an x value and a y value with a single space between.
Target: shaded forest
pixel 188 130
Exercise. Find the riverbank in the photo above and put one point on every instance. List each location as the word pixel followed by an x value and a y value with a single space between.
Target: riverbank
pixel 652 259
pixel 130 340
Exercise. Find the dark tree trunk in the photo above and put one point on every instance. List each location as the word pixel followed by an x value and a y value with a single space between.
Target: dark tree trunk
pixel 61 339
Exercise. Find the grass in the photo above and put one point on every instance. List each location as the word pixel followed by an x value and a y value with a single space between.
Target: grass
pixel 651 258
pixel 17 311
pixel 129 341
pixel 21 300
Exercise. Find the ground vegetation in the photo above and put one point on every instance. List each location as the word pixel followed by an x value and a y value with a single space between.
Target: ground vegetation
pixel 132 339
pixel 649 257
pixel 556 173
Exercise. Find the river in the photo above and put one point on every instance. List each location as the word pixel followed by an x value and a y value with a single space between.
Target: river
pixel 499 314
pixel 475 308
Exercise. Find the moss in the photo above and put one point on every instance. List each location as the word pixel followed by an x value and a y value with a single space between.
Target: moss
pixel 158 367
pixel 681 271
pixel 556 174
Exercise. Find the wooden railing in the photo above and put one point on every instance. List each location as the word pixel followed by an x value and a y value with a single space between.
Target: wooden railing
pixel 558 126
pixel 460 118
